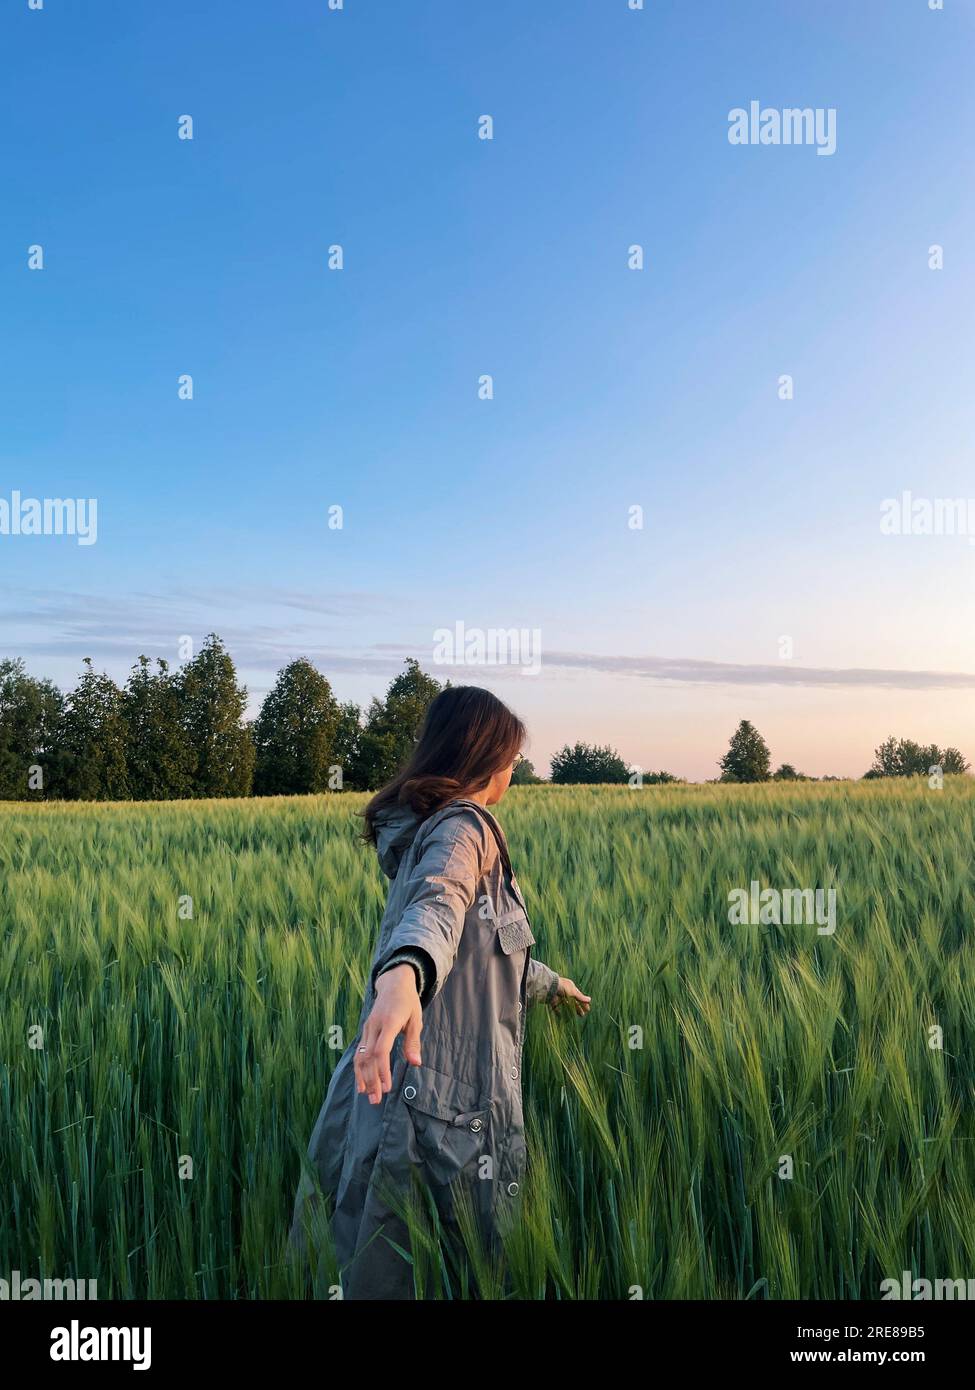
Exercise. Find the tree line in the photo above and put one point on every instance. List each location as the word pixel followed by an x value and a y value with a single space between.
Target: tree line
pixel 748 760
pixel 171 733
pixel 176 733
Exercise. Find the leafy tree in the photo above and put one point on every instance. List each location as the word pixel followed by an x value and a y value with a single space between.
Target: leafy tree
pixel 348 732
pixel 653 779
pixel 524 775
pixel 951 760
pixel 213 705
pixel 886 759
pixel 294 734
pixel 29 714
pixel 787 773
pixel 747 758
pixel 392 726
pixel 160 757
pixel 587 763
pixel 89 760
pixel 905 758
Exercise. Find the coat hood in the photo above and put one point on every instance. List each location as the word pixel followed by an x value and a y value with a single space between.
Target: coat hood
pixel 396 828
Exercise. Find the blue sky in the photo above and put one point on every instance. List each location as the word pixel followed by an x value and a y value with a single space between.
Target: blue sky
pixel 462 256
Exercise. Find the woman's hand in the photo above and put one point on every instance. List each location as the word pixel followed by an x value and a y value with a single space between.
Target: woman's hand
pixel 568 991
pixel 396 1010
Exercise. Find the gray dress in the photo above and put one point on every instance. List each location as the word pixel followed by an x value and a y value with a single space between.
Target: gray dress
pixel 457 1117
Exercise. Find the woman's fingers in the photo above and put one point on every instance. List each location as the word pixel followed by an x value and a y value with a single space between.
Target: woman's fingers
pixel 364 1063
pixel 381 1050
pixel 411 1037
pixel 370 1066
pixel 580 1002
pixel 373 1077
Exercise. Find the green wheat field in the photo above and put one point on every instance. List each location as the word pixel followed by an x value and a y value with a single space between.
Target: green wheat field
pixel 657 1126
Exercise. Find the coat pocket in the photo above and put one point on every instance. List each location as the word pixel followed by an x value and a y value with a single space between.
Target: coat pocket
pixel 446 1097
pixel 514 933
pixel 450 1124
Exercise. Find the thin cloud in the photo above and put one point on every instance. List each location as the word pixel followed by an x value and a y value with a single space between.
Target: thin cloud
pixel 58 624
pixel 692 671
pixel 71 606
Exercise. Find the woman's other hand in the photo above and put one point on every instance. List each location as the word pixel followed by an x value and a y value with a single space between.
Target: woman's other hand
pixel 396 1010
pixel 570 992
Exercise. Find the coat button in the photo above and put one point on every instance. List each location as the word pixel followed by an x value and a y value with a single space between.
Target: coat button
pixel 476 1126
pixel 512 1189
pixel 514 1073
pixel 410 1092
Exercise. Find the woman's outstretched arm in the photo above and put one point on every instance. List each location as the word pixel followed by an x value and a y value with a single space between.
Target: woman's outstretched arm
pixel 440 892
pixel 545 985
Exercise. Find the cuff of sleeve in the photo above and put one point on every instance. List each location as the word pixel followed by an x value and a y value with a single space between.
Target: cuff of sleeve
pixel 436 964
pixel 421 965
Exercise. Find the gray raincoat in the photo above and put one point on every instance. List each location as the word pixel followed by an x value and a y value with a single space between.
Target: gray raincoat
pixel 453 893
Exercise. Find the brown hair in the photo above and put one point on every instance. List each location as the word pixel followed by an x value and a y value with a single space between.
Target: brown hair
pixel 467 736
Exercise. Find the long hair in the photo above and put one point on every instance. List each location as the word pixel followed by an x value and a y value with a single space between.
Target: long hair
pixel 466 736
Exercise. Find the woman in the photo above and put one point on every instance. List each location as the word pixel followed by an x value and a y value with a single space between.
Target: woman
pixel 453 960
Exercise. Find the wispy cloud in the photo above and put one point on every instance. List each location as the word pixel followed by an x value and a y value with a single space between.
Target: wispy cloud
pixel 60 624
pixel 693 671
pixel 72 606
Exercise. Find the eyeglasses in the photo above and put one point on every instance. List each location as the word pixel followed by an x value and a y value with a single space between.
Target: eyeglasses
pixel 518 760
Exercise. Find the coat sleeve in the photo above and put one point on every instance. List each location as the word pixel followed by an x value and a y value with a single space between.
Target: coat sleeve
pixel 439 893
pixel 542 983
